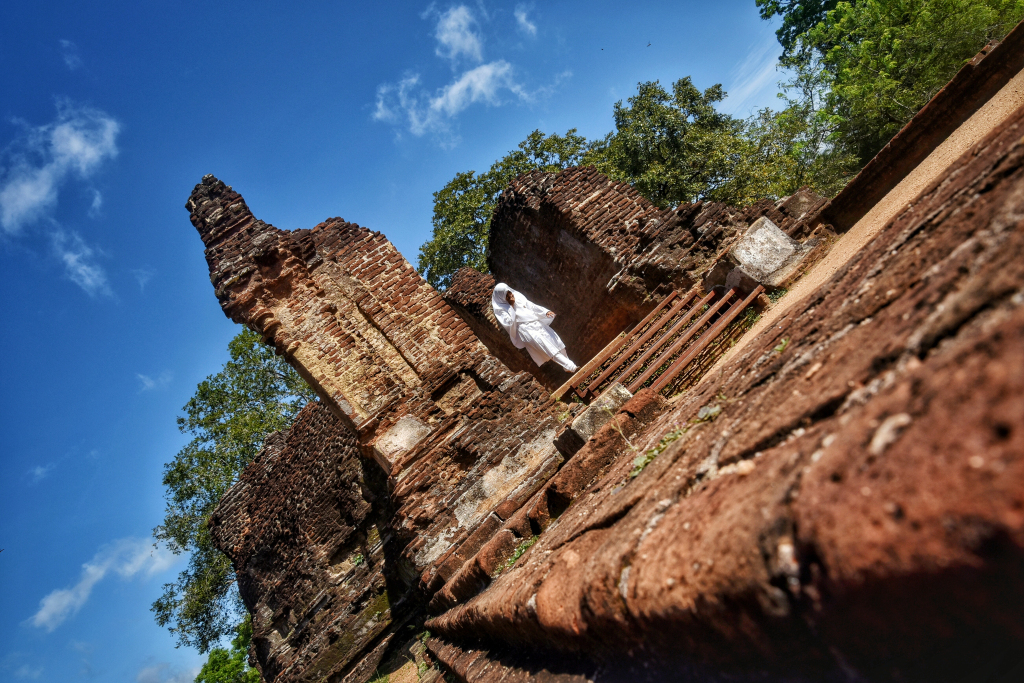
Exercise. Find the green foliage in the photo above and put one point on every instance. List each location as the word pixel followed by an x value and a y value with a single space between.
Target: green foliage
pixel 885 59
pixel 463 207
pixel 860 70
pixel 645 459
pixel 231 666
pixel 516 554
pixel 782 345
pixel 798 17
pixel 228 417
pixel 673 147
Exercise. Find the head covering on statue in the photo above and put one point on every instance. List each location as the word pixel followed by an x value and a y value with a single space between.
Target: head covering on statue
pixel 529 326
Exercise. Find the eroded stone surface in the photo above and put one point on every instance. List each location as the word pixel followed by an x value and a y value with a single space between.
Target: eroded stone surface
pixel 767 254
pixel 601 411
pixel 855 509
pixel 844 500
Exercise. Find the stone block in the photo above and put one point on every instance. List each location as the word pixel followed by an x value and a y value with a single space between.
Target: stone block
pixel 741 281
pixel 767 254
pixel 406 433
pixel 600 411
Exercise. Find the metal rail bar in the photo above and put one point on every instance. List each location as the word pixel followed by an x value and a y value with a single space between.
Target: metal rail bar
pixel 713 332
pixel 682 340
pixel 663 339
pixel 614 346
pixel 611 369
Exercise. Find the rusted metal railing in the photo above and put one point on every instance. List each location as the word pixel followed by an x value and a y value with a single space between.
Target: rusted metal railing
pixel 709 336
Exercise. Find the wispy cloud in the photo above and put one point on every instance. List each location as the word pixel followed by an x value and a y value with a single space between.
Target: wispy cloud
pixel 407 101
pixel 523 21
pixel 143 276
pixel 751 76
pixel 411 104
pixel 126 557
pixel 45 157
pixel 28 673
pixel 97 203
pixel 163 672
pixel 159 382
pixel 457 35
pixel 80 264
pixel 40 472
pixel 69 51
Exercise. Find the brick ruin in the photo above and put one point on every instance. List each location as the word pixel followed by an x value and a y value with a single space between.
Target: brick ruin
pixel 577 236
pixel 841 498
pixel 460 439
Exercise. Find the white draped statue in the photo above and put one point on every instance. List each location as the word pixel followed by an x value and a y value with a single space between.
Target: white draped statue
pixel 529 326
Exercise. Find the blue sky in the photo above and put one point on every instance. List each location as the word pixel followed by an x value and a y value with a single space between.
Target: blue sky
pixel 112 111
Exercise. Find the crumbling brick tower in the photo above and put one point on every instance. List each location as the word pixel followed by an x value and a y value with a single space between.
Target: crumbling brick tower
pixel 463 441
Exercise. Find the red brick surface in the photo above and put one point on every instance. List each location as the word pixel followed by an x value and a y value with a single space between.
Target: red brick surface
pixel 601 256
pixel 854 510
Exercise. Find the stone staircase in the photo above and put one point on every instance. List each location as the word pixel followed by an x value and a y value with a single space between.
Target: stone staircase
pixel 668 350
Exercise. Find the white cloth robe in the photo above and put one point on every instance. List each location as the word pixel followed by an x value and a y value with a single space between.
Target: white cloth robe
pixel 527 324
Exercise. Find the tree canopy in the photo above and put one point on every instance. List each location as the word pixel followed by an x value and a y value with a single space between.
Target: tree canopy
pixel 798 17
pixel 228 417
pixel 886 59
pixel 231 666
pixel 673 147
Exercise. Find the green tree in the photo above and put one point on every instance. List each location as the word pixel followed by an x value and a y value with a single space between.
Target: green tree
pixel 231 666
pixel 228 417
pixel 887 58
pixel 798 17
pixel 674 147
pixel 463 207
pixel 785 150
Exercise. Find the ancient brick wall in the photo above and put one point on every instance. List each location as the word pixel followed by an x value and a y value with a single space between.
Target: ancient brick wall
pixel 601 256
pixel 303 530
pixel 469 295
pixel 841 500
pixel 462 440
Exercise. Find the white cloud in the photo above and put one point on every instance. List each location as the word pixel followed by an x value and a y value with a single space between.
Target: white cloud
pixel 143 276
pixel 150 383
pixel 40 472
pixel 125 557
pixel 75 144
pixel 456 35
pixel 28 672
pixel 425 113
pixel 97 203
pixel 523 21
pixel 163 672
pixel 69 51
pixel 477 85
pixel 750 78
pixel 79 263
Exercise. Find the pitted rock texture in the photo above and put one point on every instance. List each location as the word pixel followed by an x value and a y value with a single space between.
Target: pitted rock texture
pixel 854 509
pixel 601 256
pixel 314 581
pixel 469 295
